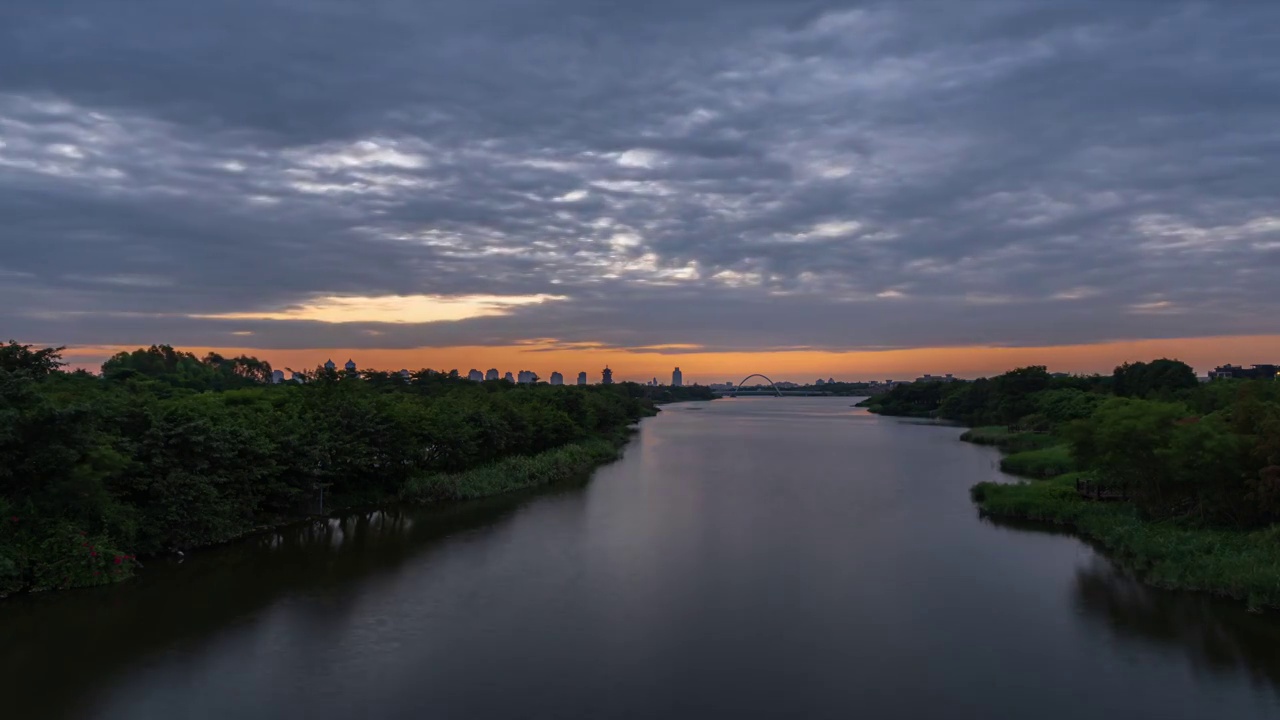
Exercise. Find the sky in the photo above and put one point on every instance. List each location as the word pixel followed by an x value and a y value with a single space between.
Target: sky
pixel 802 188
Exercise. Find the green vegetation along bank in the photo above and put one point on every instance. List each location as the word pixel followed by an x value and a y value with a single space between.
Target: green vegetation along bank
pixel 1176 479
pixel 165 451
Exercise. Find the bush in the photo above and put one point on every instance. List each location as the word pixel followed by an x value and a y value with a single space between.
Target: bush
pixel 1175 555
pixel 1043 463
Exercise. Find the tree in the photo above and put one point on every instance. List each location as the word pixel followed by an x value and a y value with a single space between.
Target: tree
pixel 17 358
pixel 1161 376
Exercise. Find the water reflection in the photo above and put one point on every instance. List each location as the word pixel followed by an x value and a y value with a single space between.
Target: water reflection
pixel 180 605
pixel 1218 637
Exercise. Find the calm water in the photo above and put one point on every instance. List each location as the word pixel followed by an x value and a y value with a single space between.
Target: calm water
pixel 746 558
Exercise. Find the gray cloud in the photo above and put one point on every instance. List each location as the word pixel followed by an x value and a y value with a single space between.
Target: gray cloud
pixel 736 175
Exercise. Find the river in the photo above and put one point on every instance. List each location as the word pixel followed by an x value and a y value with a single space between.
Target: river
pixel 747 558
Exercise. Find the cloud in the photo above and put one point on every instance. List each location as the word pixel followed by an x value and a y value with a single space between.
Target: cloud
pixel 738 175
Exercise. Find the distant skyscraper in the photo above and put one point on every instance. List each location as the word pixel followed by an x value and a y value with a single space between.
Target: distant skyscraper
pixel 508 377
pixel 527 377
pixel 350 366
pixel 606 376
pixel 277 377
pixel 821 382
pixel 582 378
pixel 330 365
pixel 475 375
pixel 557 378
pixel 405 374
pixel 492 374
pixel 677 378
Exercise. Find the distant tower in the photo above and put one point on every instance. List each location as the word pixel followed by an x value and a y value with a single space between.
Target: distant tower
pixel 277 377
pixel 330 365
pixel 475 375
pixel 606 376
pixel 405 374
pixel 526 377
pixel 351 365
pixel 582 378
pixel 557 378
pixel 492 374
pixel 508 377
pixel 677 378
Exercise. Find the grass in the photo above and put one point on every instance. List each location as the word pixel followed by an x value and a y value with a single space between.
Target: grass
pixel 515 473
pixel 1043 463
pixel 1007 440
pixel 1236 564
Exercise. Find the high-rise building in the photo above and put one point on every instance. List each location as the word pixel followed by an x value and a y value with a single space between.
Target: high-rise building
pixel 557 378
pixel 277 377
pixel 606 376
pixel 350 366
pixel 475 375
pixel 492 374
pixel 527 377
pixel 582 378
pixel 677 378
pixel 508 377
pixel 405 374
pixel 329 364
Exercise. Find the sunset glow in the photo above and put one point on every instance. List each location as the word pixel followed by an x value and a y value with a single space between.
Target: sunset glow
pixel 393 308
pixel 797 365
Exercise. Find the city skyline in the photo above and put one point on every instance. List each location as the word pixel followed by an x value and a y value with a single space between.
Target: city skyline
pixel 1203 354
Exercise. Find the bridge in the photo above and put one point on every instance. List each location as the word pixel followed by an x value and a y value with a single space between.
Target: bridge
pixel 772 390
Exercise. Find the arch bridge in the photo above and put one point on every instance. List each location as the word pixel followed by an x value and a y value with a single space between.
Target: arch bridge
pixel 776 391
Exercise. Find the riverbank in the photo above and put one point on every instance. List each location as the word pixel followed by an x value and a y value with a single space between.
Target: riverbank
pixel 518 473
pixel 1244 565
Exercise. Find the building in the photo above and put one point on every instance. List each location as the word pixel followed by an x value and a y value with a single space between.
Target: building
pixel 582 378
pixel 492 374
pixel 475 375
pixel 404 374
pixel 527 377
pixel 820 382
pixel 1256 372
pixel 677 378
pixel 606 376
pixel 508 377
pixel 350 366
pixel 557 378
pixel 330 364
pixel 277 377
pixel 298 377
pixel 936 378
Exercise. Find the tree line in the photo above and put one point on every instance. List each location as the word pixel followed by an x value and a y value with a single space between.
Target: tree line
pixel 1207 453
pixel 166 451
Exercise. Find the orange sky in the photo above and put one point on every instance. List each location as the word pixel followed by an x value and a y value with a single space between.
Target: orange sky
pixel 799 366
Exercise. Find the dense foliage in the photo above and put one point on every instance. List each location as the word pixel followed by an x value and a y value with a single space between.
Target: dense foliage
pixel 1208 453
pixel 167 451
